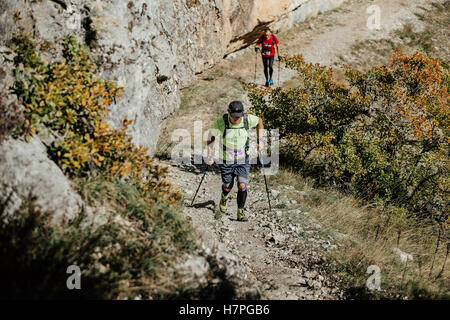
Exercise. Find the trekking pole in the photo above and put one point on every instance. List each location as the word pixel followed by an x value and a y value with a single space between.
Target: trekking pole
pixel 203 177
pixel 256 63
pixel 265 181
pixel 279 63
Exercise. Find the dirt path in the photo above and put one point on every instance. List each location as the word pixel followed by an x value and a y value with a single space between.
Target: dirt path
pixel 285 259
pixel 282 258
pixel 333 34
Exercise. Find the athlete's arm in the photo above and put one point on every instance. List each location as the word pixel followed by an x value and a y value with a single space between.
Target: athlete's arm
pixel 260 133
pixel 210 144
pixel 278 48
pixel 258 42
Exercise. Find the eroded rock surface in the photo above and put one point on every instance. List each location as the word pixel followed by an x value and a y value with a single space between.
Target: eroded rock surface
pixel 154 48
pixel 26 174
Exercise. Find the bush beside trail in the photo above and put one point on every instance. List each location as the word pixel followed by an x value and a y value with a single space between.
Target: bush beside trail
pixel 66 104
pixel 125 256
pixel 383 136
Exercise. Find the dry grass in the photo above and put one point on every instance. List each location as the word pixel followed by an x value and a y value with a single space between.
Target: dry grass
pixel 292 83
pixel 367 236
pixel 215 89
pixel 432 40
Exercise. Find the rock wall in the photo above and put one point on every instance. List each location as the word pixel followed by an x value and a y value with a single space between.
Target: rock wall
pixel 154 48
pixel 248 18
pixel 26 174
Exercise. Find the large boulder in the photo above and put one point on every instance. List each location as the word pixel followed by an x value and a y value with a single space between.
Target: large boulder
pixel 26 174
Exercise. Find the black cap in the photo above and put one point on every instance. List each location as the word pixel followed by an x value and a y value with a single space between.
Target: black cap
pixel 236 109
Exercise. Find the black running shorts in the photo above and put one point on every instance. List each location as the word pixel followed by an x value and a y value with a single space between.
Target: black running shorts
pixel 229 171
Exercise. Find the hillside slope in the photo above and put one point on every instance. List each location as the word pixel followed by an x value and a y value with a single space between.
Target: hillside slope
pixel 284 251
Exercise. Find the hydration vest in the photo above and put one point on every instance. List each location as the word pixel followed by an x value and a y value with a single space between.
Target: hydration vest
pixel 227 127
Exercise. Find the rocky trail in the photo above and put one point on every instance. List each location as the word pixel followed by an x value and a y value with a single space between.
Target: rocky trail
pixel 278 256
pixel 282 253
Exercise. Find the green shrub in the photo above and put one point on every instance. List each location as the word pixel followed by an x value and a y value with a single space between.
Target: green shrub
pixel 116 260
pixel 65 100
pixel 383 136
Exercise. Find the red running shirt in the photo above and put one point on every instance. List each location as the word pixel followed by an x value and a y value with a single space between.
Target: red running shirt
pixel 268 46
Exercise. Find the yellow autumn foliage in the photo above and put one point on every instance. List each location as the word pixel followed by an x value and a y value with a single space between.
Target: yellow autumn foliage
pixel 69 100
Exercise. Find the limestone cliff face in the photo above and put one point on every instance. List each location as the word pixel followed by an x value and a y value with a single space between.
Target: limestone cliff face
pixel 154 48
pixel 244 20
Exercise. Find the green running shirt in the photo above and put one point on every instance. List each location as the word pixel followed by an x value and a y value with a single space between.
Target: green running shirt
pixel 235 138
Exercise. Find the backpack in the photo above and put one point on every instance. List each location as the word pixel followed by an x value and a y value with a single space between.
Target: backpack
pixel 227 127
pixel 273 39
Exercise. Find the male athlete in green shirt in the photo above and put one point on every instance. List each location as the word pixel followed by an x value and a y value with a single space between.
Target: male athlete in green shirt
pixel 235 158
